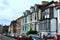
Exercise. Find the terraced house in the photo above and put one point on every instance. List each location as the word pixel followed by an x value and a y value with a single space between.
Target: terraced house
pixel 22 24
pixel 49 22
pixel 25 25
pixel 18 25
pixel 45 18
pixel 12 27
pixel 35 12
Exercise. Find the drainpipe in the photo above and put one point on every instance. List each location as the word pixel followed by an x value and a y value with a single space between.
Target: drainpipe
pixel 49 26
pixel 56 26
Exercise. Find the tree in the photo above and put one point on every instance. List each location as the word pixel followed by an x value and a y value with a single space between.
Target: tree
pixel 32 32
pixel 5 29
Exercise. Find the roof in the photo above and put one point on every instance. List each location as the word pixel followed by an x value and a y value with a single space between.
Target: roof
pixel 12 22
pixel 51 3
pixel 58 3
pixel 38 6
pixel 46 6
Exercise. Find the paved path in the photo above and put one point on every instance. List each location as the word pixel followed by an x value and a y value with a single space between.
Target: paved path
pixel 6 38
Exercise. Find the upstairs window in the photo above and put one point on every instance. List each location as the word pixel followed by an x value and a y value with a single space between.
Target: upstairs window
pixel 35 26
pixel 30 17
pixel 43 15
pixel 32 9
pixel 51 12
pixel 35 16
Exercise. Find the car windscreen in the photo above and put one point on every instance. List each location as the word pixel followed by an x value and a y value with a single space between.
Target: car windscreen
pixel 50 37
pixel 22 34
pixel 35 37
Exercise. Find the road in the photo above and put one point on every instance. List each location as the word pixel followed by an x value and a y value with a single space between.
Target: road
pixel 6 38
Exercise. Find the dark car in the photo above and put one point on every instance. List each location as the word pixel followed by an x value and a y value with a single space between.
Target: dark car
pixel 33 37
pixel 5 34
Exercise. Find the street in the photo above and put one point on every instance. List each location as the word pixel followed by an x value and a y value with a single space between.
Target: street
pixel 6 38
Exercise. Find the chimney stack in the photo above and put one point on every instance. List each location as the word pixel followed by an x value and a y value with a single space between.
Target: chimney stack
pixel 44 2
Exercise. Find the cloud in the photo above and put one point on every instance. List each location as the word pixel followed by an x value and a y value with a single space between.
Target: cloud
pixel 9 14
pixel 3 5
pixel 12 9
pixel 4 21
pixel 5 2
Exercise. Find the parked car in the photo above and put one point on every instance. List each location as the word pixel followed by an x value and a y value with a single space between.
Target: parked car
pixel 33 37
pixel 53 37
pixel 22 37
pixel 8 34
pixel 11 35
pixel 5 34
pixel 16 36
pixel 57 37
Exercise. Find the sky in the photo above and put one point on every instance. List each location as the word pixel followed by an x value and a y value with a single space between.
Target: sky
pixel 13 9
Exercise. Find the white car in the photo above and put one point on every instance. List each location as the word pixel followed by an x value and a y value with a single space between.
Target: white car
pixel 11 34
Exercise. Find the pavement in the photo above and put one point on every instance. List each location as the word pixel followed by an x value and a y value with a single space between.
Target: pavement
pixel 6 38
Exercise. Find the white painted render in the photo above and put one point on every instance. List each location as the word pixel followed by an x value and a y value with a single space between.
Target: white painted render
pixel 58 12
pixel 55 12
pixel 58 28
pixel 53 26
pixel 39 14
pixel 28 19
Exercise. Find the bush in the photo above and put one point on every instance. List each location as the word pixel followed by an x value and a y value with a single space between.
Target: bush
pixel 32 32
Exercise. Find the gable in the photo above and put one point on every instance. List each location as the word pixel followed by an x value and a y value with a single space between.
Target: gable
pixel 53 4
